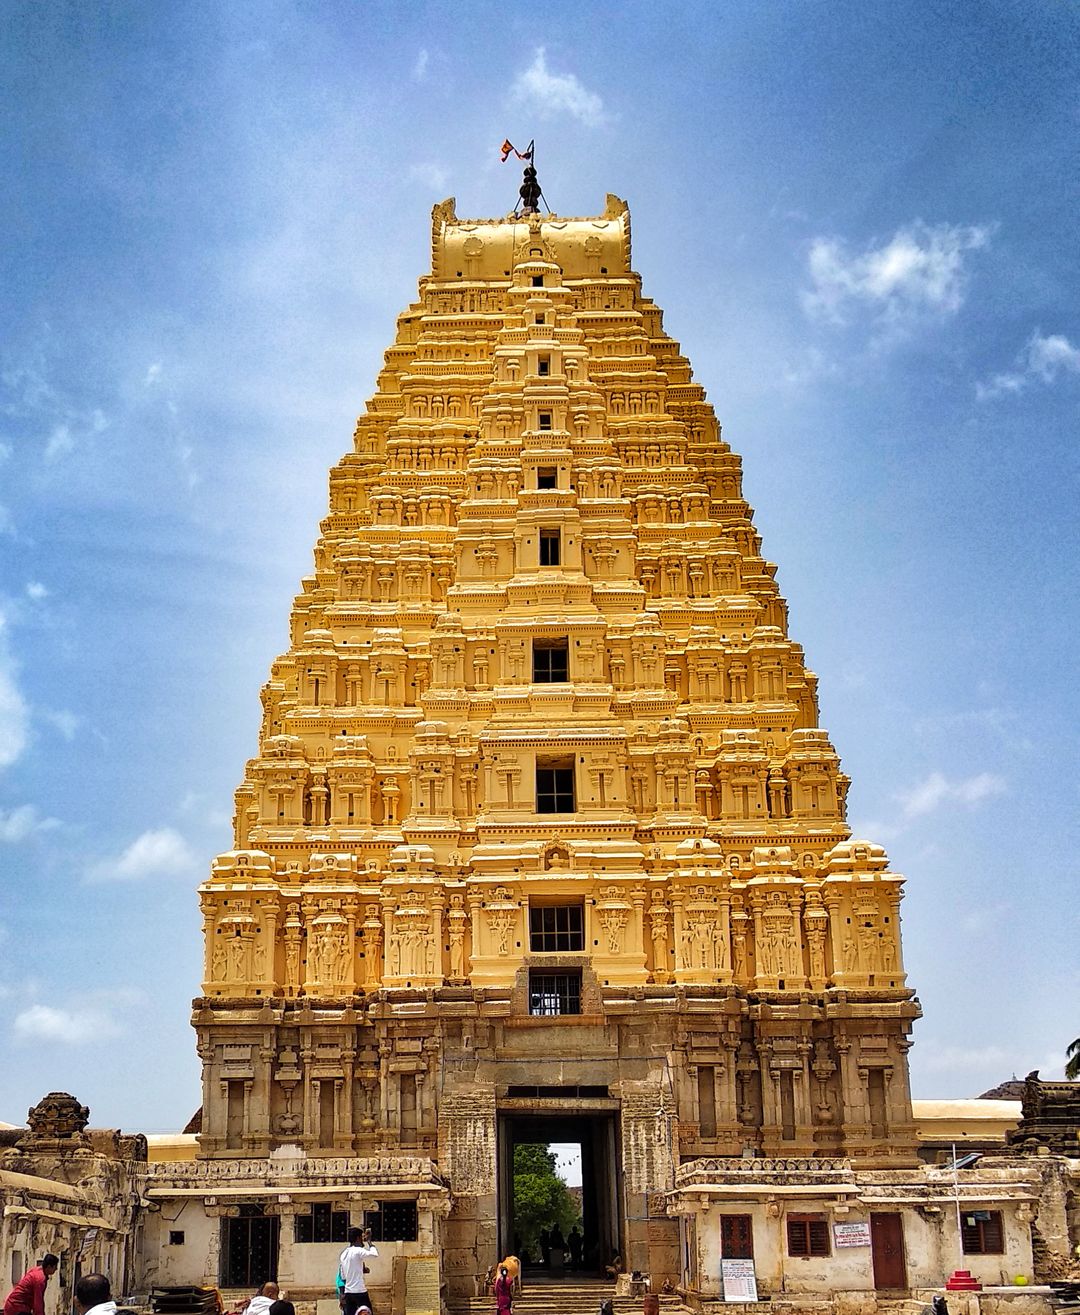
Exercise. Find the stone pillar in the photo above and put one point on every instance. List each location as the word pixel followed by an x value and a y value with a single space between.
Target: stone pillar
pixel 468 1137
pixel 286 1212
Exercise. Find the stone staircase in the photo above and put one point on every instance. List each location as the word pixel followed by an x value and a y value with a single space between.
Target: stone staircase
pixel 571 1297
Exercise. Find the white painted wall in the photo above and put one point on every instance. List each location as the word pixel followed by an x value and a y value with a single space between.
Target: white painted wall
pixel 931 1247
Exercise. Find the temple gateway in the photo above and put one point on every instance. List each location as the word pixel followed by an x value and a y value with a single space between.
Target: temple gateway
pixel 542 843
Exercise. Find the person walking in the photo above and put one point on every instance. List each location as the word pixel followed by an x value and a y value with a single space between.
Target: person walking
pixel 27 1297
pixel 93 1297
pixel 354 1271
pixel 504 1292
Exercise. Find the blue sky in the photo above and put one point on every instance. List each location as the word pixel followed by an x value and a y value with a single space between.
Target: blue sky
pixel 860 221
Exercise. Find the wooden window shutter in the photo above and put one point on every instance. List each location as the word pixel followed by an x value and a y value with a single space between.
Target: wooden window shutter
pixel 808 1235
pixel 819 1237
pixel 736 1237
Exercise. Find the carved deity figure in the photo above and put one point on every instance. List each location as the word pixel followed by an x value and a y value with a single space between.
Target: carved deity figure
pixel 457 917
pixel 658 917
pixel 237 958
pixel 500 924
pixel 739 943
pixel 700 942
pixel 614 921
pixel 816 939
pixel 292 963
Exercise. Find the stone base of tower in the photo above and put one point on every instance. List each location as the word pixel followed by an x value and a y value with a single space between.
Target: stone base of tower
pixel 820 1234
pixel 423 1095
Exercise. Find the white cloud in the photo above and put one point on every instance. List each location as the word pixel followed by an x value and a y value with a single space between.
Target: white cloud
pixel 1050 355
pixel 36 590
pixel 61 441
pixel 153 374
pixel 811 366
pixel 928 795
pixel 549 94
pixel 431 175
pixel 878 832
pixel 420 68
pixel 16 824
pixel 919 271
pixel 73 1025
pixel 161 853
pixel 14 713
pixel 66 435
pixel 67 723
pixel 1043 358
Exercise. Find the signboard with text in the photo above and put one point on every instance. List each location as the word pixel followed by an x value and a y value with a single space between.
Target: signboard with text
pixel 739 1279
pixel 851 1235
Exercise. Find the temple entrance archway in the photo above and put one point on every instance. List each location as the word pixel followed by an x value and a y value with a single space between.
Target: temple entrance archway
pixel 597 1135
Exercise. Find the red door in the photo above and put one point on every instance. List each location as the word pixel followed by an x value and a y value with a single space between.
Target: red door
pixel 887 1249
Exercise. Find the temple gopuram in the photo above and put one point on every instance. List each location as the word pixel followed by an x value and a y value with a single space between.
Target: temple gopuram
pixel 542 843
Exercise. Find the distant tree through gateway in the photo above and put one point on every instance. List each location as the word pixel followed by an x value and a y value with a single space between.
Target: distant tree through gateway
pixel 542 1198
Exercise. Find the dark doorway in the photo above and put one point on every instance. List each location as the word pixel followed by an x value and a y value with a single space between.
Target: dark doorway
pixel 250 1248
pixel 887 1248
pixel 597 1137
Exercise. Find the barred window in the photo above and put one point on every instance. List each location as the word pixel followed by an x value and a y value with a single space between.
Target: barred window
pixel 552 995
pixel 736 1236
pixel 394 1221
pixel 322 1223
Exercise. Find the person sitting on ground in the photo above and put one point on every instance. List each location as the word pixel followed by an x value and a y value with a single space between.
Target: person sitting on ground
pixel 615 1266
pixel 282 1307
pixel 92 1296
pixel 261 1302
pixel 27 1297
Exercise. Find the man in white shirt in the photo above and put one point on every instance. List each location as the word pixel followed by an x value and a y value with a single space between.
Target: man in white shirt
pixel 92 1296
pixel 262 1301
pixel 354 1272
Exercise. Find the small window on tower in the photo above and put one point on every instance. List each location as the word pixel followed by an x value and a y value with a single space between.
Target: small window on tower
pixel 538 280
pixel 544 420
pixel 551 661
pixel 555 785
pixel 549 547
pixel 547 477
pixel 557 929
pixel 543 365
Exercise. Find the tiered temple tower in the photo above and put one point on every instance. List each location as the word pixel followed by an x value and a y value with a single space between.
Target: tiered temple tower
pixel 542 839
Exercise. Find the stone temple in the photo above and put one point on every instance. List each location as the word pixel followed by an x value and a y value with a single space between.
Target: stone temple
pixel 542 841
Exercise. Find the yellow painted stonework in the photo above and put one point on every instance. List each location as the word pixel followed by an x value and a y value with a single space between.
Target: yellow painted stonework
pixel 539 585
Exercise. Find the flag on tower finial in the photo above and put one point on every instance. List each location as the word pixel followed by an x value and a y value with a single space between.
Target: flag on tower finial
pixel 508 148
